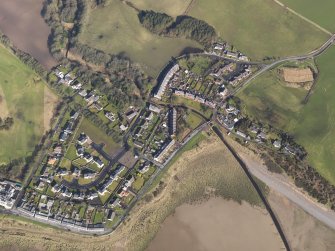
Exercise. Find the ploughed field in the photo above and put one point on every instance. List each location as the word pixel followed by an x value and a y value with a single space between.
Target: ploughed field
pixel 22 97
pixel 311 124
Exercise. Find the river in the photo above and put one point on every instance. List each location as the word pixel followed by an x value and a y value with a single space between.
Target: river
pixel 22 22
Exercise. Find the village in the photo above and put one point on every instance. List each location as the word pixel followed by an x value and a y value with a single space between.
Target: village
pixel 102 159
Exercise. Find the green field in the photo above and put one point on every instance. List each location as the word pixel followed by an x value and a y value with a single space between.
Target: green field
pixel 320 12
pixel 116 29
pixel 98 136
pixel 170 7
pixel 21 97
pixel 264 100
pixel 313 125
pixel 259 28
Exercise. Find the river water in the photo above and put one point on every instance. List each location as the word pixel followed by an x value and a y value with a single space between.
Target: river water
pixel 22 22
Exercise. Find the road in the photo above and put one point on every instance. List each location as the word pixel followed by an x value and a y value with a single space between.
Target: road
pixel 267 67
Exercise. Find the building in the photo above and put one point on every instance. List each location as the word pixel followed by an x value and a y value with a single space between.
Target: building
pixel 154 108
pixel 172 121
pixel 144 168
pixel 123 127
pixel 80 151
pixel 277 144
pixel 241 134
pixel 83 93
pixel 160 157
pixel 8 193
pixel 82 139
pixel 131 115
pixel 98 162
pixel 63 136
pixel 88 157
pixel 165 81
pixel 110 116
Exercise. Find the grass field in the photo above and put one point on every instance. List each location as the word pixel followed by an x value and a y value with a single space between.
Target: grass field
pixel 264 98
pixel 22 97
pixel 170 7
pixel 320 12
pixel 259 28
pixel 98 136
pixel 313 124
pixel 116 29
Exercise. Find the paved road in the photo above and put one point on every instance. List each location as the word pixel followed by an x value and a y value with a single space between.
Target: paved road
pixel 310 55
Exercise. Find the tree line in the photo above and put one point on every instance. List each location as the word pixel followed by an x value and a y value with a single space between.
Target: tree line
pixel 183 26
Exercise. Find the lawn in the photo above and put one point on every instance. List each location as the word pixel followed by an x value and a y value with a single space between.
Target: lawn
pixel 313 124
pixel 21 97
pixel 116 29
pixel 193 120
pixel 71 153
pixel 259 28
pixel 98 136
pixel 320 12
pixel 206 111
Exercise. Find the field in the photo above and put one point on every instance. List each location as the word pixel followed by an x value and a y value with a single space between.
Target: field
pixel 116 29
pixel 313 124
pixel 23 97
pixel 259 28
pixel 320 12
pixel 172 8
pixel 98 136
pixel 264 97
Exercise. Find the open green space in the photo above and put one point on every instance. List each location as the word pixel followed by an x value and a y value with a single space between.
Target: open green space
pixel 205 110
pixel 98 136
pixel 22 98
pixel 313 124
pixel 259 28
pixel 170 7
pixel 115 28
pixel 320 12
pixel 270 101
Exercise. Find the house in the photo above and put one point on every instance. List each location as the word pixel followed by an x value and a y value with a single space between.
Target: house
pixel 68 127
pixel 74 115
pixel 262 135
pixel 62 172
pixel 110 116
pixel 122 192
pixel 110 215
pixel 80 151
pixel 82 139
pixel 154 108
pixel 115 202
pixel 79 196
pixel 123 127
pixel 88 157
pixel 52 161
pixel 159 157
pixel 98 162
pixel 150 116
pixel 59 74
pixel 131 115
pixel 129 181
pixel 241 134
pixel 57 150
pixel 66 193
pixel 138 144
pixel 83 93
pixel 119 170
pixel 172 121
pixel 179 93
pixel 232 54
pixel 89 175
pixel 76 86
pixel 97 106
pixel 144 168
pixel 277 144
pixel 92 196
pixel 165 81
pixel 68 79
pixel 63 136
